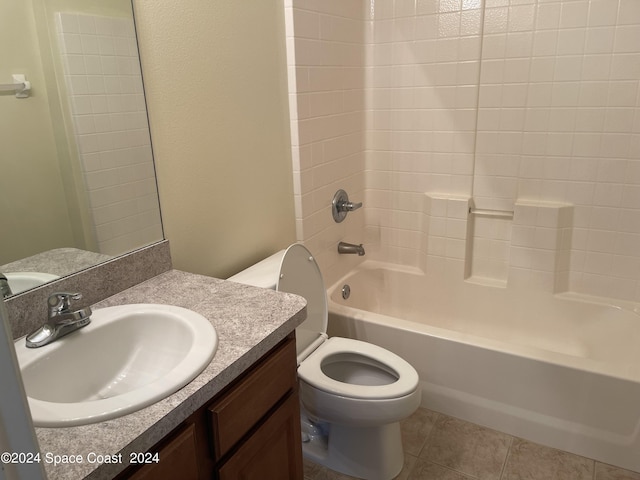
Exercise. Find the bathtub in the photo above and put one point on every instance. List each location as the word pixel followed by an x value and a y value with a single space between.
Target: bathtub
pixel 560 370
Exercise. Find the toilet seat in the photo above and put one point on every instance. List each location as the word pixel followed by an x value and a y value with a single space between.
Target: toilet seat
pixel 311 370
pixel 300 274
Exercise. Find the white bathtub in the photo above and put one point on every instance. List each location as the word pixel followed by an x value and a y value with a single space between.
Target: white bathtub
pixel 558 370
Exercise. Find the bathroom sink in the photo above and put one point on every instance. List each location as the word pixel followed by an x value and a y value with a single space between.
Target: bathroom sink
pixel 127 358
pixel 21 281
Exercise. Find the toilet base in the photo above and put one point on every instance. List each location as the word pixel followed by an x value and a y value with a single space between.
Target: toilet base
pixel 373 453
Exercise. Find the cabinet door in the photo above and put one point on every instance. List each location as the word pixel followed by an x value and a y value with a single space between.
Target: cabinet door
pixel 274 451
pixel 240 409
pixel 177 460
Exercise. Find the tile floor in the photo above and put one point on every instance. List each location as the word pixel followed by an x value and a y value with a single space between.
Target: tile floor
pixel 439 447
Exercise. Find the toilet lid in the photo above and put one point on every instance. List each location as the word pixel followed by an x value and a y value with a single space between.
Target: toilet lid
pixel 300 274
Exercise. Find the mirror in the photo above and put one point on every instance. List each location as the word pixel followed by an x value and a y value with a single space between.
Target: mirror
pixel 77 180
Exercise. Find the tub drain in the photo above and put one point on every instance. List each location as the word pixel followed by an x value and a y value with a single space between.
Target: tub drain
pixel 346 291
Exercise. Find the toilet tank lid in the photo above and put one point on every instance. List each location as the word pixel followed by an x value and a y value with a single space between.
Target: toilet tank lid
pixel 262 274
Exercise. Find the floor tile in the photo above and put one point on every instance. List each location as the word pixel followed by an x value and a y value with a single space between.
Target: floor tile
pixel 416 429
pixel 313 471
pixel 425 470
pixel 409 462
pixel 453 449
pixel 608 472
pixel 467 448
pixel 530 461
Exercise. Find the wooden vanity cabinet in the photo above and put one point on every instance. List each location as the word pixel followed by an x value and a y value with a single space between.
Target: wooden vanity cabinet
pixel 250 430
pixel 179 458
pixel 272 452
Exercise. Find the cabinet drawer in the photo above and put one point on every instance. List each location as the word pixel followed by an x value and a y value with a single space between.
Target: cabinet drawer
pixel 241 408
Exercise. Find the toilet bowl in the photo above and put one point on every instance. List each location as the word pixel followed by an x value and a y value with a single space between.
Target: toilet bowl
pixel 356 383
pixel 353 394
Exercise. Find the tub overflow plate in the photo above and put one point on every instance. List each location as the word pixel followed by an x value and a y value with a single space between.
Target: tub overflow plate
pixel 346 291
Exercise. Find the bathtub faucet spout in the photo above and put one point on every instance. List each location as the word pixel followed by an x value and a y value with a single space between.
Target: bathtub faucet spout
pixel 344 247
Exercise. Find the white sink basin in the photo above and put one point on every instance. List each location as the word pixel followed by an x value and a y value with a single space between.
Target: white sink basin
pixel 127 358
pixel 21 281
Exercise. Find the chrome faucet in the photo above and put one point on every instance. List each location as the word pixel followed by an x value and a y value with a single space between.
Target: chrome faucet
pixel 62 320
pixel 344 247
pixel 5 288
pixel 341 205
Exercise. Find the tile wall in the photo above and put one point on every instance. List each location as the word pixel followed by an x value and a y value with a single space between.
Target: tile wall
pixel 445 232
pixel 326 63
pixel 507 102
pixel 422 88
pixel 109 120
pixel 559 121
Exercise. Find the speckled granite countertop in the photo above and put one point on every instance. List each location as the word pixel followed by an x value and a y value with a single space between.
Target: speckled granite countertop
pixel 59 261
pixel 249 321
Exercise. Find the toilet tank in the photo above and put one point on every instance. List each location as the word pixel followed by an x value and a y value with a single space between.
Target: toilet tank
pixel 262 274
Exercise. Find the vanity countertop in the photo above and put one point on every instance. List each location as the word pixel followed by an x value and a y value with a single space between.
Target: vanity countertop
pixel 249 322
pixel 59 261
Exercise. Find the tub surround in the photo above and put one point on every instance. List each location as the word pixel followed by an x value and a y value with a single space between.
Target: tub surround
pixel 460 100
pixel 250 321
pixel 527 248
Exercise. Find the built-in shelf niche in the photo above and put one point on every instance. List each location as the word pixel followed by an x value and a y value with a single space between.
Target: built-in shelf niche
pixel 529 249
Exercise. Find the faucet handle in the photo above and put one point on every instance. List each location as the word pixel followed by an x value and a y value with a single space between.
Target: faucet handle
pixel 340 206
pixel 349 206
pixel 61 301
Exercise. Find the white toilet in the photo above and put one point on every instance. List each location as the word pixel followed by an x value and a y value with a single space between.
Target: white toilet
pixel 353 393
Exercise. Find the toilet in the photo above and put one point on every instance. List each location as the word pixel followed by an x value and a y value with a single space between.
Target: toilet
pixel 353 394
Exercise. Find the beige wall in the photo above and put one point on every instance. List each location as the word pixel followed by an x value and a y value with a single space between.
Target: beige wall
pixel 113 8
pixel 33 210
pixel 215 80
pixel 73 182
pixel 41 208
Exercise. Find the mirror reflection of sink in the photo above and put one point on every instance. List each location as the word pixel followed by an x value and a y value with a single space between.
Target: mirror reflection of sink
pixel 21 281
pixel 127 358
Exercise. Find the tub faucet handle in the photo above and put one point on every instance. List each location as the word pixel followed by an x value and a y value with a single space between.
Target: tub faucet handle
pixel 341 205
pixel 349 206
